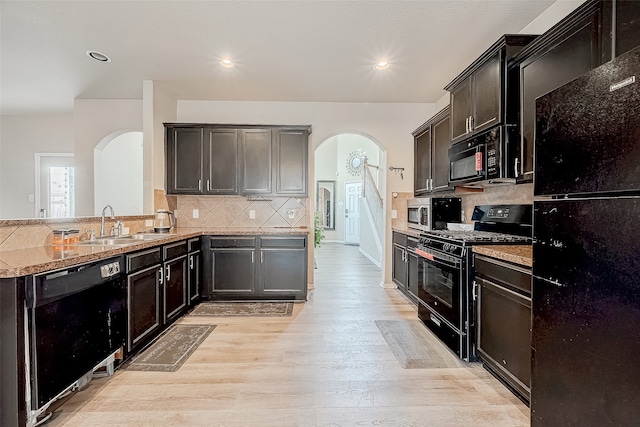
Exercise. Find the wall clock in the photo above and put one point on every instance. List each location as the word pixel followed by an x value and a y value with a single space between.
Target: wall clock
pixel 355 162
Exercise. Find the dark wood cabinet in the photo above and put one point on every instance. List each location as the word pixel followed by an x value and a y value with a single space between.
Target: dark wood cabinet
pixel 485 93
pixel 184 160
pixel 256 267
pixel 430 149
pixel 504 321
pixel 591 35
pixel 175 280
pixel 405 267
pixel 213 159
pixel 221 161
pixel 195 271
pixel 144 296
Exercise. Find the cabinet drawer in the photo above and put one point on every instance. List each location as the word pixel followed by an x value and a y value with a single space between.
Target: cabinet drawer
pixel 194 245
pixel 400 239
pixel 509 275
pixel 174 250
pixel 143 259
pixel 233 242
pixel 280 242
pixel 412 242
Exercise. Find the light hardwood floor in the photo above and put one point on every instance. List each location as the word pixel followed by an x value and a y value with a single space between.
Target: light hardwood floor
pixel 327 365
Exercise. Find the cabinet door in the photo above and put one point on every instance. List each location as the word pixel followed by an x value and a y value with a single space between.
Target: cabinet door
pixel 222 161
pixel 422 163
pixel 413 263
pixel 144 305
pixel 440 156
pixel 175 287
pixel 461 110
pixel 232 272
pixel 256 161
pixel 184 160
pixel 283 273
pixel 487 85
pixel 575 53
pixel 291 148
pixel 194 277
pixel 399 268
pixel 627 21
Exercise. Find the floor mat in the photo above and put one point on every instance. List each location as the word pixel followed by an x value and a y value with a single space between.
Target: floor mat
pixel 171 349
pixel 414 346
pixel 243 309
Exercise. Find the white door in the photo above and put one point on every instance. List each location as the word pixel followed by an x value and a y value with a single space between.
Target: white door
pixel 353 190
pixel 55 185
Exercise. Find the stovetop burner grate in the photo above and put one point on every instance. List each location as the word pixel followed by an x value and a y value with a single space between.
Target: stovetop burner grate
pixel 476 236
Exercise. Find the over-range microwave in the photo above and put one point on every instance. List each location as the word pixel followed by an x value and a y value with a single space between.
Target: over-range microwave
pixel 483 160
pixel 433 213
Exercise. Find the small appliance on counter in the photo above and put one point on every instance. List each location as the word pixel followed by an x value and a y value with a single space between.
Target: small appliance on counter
pixel 164 221
pixel 433 213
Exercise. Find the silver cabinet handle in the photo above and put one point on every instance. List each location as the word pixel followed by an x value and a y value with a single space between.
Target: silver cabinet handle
pixel 406 256
pixel 466 125
pixel 208 185
pixel 261 257
pixel 199 185
pixel 470 123
pixel 168 272
pixel 515 167
pixel 191 262
pixel 161 276
pixel 475 290
pixel 252 260
pixel 431 184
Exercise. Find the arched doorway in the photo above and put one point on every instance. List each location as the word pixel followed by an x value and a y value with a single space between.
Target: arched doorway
pixel 339 164
pixel 118 176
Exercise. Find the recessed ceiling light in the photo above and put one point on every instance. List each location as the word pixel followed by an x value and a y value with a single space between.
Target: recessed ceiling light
pixel 382 65
pixel 227 63
pixel 101 57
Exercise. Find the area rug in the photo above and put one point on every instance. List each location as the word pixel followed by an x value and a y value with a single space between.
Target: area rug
pixel 416 347
pixel 243 309
pixel 171 349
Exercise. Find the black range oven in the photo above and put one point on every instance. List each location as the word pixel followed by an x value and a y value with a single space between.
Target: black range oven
pixel 445 294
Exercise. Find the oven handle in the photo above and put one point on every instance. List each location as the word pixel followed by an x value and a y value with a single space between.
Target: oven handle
pixel 439 258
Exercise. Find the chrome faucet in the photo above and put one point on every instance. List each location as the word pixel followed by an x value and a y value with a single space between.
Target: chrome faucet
pixel 102 230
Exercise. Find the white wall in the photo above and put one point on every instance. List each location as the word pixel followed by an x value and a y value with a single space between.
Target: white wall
pixel 94 120
pixel 118 174
pixel 21 136
pixel 551 16
pixel 368 245
pixel 388 124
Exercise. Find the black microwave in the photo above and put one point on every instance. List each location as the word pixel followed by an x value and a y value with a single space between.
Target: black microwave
pixel 484 160
pixel 433 213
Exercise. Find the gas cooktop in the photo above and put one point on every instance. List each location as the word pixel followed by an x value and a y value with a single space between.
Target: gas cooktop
pixel 475 236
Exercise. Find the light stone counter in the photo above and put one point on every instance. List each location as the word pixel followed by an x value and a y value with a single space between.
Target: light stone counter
pixel 517 254
pixel 24 262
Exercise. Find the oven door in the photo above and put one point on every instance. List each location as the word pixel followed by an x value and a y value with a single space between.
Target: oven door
pixel 441 286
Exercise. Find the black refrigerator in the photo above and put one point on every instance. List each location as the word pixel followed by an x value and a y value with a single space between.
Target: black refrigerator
pixel 586 250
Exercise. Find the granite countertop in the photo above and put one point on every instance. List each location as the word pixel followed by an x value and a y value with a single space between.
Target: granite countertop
pixel 517 254
pixel 408 231
pixel 24 262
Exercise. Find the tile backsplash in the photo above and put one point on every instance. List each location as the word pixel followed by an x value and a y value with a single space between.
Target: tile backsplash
pixel 241 212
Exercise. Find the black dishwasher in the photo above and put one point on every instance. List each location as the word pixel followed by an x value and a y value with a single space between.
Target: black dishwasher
pixel 76 320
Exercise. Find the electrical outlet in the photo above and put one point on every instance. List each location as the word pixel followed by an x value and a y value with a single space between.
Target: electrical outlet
pixel 394 213
pixel 148 223
pixel 252 214
pixel 195 213
pixel 32 198
pixel 160 215
pixel 291 213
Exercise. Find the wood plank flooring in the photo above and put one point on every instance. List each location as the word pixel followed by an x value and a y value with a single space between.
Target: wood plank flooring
pixel 327 365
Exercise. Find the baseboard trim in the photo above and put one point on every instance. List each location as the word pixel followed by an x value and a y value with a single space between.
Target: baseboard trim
pixel 373 260
pixel 388 285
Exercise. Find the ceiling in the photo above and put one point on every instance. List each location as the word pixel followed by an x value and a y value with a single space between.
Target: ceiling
pixel 319 51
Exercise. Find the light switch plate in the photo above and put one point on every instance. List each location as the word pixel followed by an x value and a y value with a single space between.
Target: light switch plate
pixel 32 198
pixel 252 214
pixel 148 223
pixel 394 213
pixel 195 213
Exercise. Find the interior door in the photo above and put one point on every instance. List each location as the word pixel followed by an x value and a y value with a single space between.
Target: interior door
pixel 353 190
pixel 55 191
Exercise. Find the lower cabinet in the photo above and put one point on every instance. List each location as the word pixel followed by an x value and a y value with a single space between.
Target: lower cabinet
pixel 255 267
pixel 157 290
pixel 405 266
pixel 504 321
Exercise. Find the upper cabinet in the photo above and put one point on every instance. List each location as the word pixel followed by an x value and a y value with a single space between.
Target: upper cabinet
pixel 234 159
pixel 591 35
pixel 485 94
pixel 431 165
